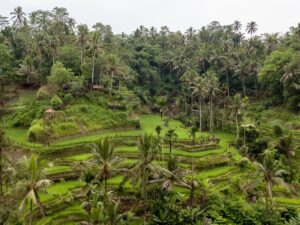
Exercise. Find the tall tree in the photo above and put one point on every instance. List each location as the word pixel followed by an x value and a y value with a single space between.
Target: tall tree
pixel 83 32
pixel 212 90
pixel 18 17
pixel 33 183
pixel 251 27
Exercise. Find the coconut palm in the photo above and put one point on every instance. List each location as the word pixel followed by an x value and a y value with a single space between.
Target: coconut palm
pixel 200 89
pixel 83 32
pixel 237 25
pixel 189 78
pixel 251 27
pixel 143 169
pixel 237 105
pixel 34 182
pixel 170 136
pixel 174 175
pixel 241 70
pixel 18 17
pixel 271 175
pixel 212 90
pixel 285 146
pixel 105 158
pixel 192 133
pixel 94 45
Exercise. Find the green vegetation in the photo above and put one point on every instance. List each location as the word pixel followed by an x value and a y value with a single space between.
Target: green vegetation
pixel 156 127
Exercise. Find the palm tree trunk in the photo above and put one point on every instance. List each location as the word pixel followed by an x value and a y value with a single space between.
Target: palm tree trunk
pixel 200 114
pixel 93 67
pixel 244 87
pixel 170 143
pixel 81 56
pixel 227 80
pixel 1 177
pixel 30 213
pixel 237 126
pixel 211 115
pixel 40 205
pixel 111 81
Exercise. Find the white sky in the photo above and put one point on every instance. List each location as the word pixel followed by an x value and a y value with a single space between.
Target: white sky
pixel 127 15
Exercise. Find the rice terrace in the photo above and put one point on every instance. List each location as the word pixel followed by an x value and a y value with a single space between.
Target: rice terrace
pixel 156 126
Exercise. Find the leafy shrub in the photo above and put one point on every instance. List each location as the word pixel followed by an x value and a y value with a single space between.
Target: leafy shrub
pixel 56 102
pixel 36 132
pixel 25 116
pixel 68 98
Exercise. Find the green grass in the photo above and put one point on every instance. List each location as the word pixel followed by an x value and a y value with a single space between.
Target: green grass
pixel 60 189
pixel 215 172
pixel 58 169
pixel 288 201
pixel 81 157
pixel 177 152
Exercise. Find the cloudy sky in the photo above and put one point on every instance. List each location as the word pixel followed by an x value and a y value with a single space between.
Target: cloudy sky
pixel 126 15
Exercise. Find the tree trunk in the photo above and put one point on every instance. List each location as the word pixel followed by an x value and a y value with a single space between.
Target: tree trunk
pixel 93 67
pixel 227 80
pixel 111 81
pixel 211 114
pixel 40 205
pixel 170 143
pixel 200 114
pixel 237 126
pixel 30 213
pixel 81 57
pixel 244 87
pixel 1 176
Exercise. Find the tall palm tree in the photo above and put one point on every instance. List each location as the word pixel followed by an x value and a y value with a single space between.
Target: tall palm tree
pixel 18 17
pixel 237 105
pixel 112 68
pixel 271 175
pixel 212 91
pixel 94 45
pixel 200 89
pixel 140 172
pixel 241 70
pixel 251 27
pixel 34 182
pixel 105 157
pixel 83 32
pixel 189 78
pixel 170 136
pixel 237 25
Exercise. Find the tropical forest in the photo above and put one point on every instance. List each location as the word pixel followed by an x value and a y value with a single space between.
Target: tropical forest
pixel 156 126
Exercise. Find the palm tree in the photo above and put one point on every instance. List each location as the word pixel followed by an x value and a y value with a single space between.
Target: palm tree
pixel 140 172
pixel 88 177
pixel 18 17
pixel 104 156
pixel 237 25
pixel 285 146
pixel 193 132
pixel 251 27
pixel 112 68
pixel 271 175
pixel 171 176
pixel 94 46
pixel 83 32
pixel 189 78
pixel 200 89
pixel 170 136
pixel 212 90
pixel 241 70
pixel 34 182
pixel 237 105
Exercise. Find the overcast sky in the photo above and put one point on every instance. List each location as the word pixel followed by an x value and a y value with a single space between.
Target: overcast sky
pixel 126 15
